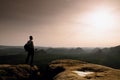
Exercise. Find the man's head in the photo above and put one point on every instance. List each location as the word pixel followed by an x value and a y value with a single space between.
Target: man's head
pixel 30 37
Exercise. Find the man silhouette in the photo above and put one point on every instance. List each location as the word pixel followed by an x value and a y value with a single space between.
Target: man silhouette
pixel 30 51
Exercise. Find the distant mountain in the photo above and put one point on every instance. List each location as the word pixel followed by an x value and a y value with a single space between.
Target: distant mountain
pixel 8 50
pixel 4 46
pixel 65 50
pixel 104 56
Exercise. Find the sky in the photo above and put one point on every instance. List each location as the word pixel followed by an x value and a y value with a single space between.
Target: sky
pixel 60 23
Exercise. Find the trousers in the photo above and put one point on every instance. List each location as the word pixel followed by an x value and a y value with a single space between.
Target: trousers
pixel 30 57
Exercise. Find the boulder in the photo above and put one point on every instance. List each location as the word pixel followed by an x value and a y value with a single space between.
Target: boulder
pixel 78 70
pixel 18 72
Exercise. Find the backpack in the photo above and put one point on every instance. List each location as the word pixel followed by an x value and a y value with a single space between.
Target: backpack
pixel 26 47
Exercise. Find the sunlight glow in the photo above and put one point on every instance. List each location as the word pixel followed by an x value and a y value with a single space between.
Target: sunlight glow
pixel 102 19
pixel 83 74
pixel 98 25
pixel 99 19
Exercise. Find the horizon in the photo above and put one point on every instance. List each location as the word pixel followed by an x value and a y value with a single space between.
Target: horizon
pixel 60 23
pixel 58 47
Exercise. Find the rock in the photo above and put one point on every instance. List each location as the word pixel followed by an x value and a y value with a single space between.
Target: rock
pixel 78 70
pixel 18 72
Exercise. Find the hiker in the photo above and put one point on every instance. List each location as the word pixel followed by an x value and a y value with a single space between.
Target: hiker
pixel 29 47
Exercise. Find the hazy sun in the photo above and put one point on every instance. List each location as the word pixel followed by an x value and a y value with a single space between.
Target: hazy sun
pixel 102 19
pixel 99 22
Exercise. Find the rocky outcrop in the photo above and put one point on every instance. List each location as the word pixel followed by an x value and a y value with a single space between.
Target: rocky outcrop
pixel 19 72
pixel 60 70
pixel 78 70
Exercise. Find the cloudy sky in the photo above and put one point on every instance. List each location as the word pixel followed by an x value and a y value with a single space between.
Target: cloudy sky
pixel 60 23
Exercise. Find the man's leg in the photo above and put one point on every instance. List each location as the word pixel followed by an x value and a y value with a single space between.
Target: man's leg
pixel 31 62
pixel 27 59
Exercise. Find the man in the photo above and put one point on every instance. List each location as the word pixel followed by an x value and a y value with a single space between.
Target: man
pixel 30 51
